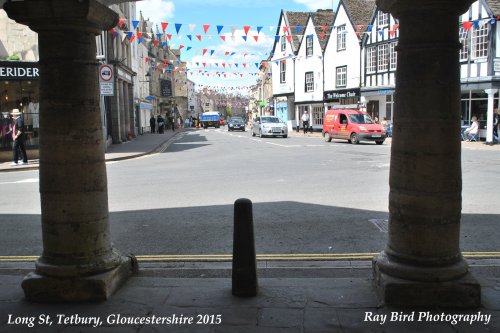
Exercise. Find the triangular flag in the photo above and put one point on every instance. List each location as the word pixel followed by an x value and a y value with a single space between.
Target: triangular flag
pixel 289 38
pixel 130 34
pixel 212 52
pixel 121 22
pixel 164 26
pixel 190 37
pixel 369 28
pixel 285 30
pixel 297 29
pixel 277 38
pixel 181 47
pixel 169 36
pixel 158 36
pixel 135 23
pixel 392 33
pixel 140 40
pixel 191 27
pixel 395 26
pixel 467 25
pixel 219 29
pixel 178 27
pixel 246 28
pixel 188 48
pixel 259 29
pixel 206 27
pixel 223 38
pixel 204 51
pixel 244 37
pixel 199 37
pixel 322 35
pixel 139 34
pixel 245 65
pixel 257 64
pixel 256 38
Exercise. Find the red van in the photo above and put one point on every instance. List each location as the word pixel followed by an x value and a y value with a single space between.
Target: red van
pixel 352 125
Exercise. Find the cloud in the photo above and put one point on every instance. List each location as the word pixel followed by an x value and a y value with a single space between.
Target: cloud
pixel 156 10
pixel 317 4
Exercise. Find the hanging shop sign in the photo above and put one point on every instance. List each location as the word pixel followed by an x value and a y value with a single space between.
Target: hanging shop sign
pixel 166 88
pixel 19 70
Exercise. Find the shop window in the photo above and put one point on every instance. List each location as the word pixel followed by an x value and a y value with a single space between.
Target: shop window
pixel 317 115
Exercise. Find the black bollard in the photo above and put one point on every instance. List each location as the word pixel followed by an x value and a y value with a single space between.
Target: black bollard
pixel 244 275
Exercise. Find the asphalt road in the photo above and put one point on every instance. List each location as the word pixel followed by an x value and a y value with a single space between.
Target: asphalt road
pixel 308 196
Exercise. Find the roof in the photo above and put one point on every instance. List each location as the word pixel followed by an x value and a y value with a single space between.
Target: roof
pixel 494 5
pixel 360 13
pixel 323 18
pixel 294 20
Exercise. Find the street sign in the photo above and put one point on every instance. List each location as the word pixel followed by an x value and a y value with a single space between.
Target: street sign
pixel 106 82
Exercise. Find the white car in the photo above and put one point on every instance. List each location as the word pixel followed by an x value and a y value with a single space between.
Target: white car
pixel 269 126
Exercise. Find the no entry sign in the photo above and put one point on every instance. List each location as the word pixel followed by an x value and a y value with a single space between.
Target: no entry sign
pixel 106 82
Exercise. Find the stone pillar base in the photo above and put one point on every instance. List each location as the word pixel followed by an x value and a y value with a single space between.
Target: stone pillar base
pixel 464 292
pixel 98 287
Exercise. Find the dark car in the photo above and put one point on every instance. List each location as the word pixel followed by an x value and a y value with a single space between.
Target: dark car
pixel 236 124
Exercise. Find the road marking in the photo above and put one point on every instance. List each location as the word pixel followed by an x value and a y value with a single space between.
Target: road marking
pixel 264 257
pixel 24 181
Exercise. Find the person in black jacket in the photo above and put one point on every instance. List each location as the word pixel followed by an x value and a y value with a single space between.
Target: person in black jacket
pixel 18 137
pixel 152 123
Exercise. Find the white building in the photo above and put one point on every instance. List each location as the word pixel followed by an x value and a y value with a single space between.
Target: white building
pixel 309 67
pixel 343 56
pixel 286 44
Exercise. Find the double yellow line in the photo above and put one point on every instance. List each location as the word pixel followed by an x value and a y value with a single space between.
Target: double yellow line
pixel 260 257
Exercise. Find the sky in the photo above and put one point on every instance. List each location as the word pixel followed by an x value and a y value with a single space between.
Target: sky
pixel 238 56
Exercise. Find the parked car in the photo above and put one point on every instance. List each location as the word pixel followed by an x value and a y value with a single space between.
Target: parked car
pixel 352 125
pixel 269 126
pixel 236 124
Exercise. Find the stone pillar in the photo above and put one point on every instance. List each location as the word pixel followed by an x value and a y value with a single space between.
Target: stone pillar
pixel 78 261
pixel 115 113
pixel 489 115
pixel 422 264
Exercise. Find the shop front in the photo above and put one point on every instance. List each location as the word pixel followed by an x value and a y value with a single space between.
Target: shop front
pixel 342 97
pixel 379 103
pixel 475 101
pixel 19 85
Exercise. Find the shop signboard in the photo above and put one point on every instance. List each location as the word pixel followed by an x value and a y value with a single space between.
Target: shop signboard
pixel 19 70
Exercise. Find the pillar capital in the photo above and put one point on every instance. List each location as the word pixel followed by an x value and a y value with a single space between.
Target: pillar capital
pixel 46 15
pixel 400 7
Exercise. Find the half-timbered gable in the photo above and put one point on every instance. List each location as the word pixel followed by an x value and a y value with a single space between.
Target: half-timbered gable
pixel 379 65
pixel 342 60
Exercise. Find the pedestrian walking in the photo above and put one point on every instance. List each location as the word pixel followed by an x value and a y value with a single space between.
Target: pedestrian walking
pixel 305 121
pixel 161 124
pixel 18 138
pixel 152 123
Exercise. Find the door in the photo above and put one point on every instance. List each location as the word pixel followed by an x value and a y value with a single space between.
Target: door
pixel 342 122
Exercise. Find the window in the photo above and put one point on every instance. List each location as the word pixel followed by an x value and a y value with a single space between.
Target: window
pixel 309 81
pixel 371 59
pixel 480 42
pixel 382 57
pixel 283 43
pixel 465 44
pixel 309 45
pixel 317 115
pixel 341 76
pixel 283 71
pixel 382 18
pixel 341 38
pixel 393 56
